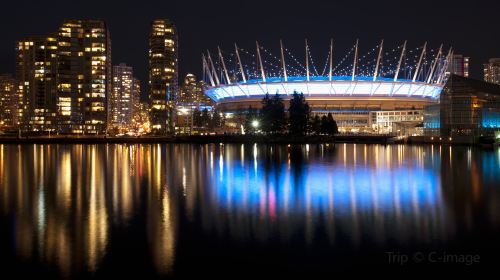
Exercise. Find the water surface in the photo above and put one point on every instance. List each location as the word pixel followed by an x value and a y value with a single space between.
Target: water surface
pixel 169 210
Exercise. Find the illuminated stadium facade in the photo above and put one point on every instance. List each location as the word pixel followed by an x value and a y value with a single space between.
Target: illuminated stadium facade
pixel 359 90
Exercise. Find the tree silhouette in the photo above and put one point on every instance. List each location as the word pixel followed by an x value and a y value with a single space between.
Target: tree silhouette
pixel 316 125
pixel 298 114
pixel 205 118
pixel 216 120
pixel 273 114
pixel 197 122
pixel 329 125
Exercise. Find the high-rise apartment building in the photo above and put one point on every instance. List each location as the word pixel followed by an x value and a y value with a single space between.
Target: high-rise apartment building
pixel 163 75
pixel 492 71
pixel 83 76
pixel 8 103
pixel 190 101
pixel 136 91
pixel 121 100
pixel 191 92
pixel 459 65
pixel 36 72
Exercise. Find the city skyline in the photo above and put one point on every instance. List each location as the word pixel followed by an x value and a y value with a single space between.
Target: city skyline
pixel 204 25
pixel 170 139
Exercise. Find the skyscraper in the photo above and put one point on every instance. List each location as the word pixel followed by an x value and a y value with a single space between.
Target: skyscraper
pixel 121 100
pixel 492 71
pixel 190 101
pixel 459 65
pixel 36 72
pixel 84 76
pixel 8 103
pixel 163 75
pixel 191 91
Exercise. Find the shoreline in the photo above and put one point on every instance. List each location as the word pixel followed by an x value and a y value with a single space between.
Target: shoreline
pixel 275 139
pixel 245 139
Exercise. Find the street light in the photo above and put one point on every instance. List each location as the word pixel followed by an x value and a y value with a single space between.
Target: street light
pixel 255 123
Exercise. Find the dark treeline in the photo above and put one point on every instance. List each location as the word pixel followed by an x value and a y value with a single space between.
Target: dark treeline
pixel 272 118
pixel 210 120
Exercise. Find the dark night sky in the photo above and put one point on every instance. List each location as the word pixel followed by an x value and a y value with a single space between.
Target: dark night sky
pixel 473 29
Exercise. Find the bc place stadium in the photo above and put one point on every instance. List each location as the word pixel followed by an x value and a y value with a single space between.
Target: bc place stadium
pixel 378 89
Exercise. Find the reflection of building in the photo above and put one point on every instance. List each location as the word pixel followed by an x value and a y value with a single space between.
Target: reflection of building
pixel 36 71
pixel 190 98
pixel 123 98
pixel 492 71
pixel 163 74
pixel 459 65
pixel 84 76
pixel 8 103
pixel 467 107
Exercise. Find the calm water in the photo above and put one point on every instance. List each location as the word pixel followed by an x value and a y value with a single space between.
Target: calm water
pixel 181 210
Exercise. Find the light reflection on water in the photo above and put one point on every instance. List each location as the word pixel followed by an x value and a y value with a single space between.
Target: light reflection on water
pixel 65 203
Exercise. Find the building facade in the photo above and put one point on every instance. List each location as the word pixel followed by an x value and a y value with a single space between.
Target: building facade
pixel 163 75
pixel 459 65
pixel 402 122
pixel 121 100
pixel 190 100
pixel 492 71
pixel 467 108
pixel 36 72
pixel 191 92
pixel 83 76
pixel 8 103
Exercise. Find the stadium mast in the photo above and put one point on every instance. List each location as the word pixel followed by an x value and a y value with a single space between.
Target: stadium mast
pixel 239 62
pixel 400 62
pixel 260 62
pixel 375 74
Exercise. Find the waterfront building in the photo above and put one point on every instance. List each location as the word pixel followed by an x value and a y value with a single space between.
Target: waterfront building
pixel 163 75
pixel 492 71
pixel 8 103
pixel 121 100
pixel 356 90
pixel 191 99
pixel 405 122
pixel 83 76
pixel 468 108
pixel 36 73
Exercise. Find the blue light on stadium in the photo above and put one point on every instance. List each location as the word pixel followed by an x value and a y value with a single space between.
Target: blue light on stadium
pixel 394 73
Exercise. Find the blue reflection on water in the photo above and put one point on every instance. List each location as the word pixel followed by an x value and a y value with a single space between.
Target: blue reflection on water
pixel 321 187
